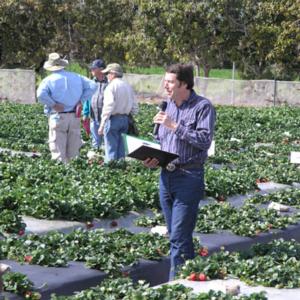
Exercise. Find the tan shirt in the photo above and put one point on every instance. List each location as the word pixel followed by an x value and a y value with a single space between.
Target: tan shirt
pixel 119 98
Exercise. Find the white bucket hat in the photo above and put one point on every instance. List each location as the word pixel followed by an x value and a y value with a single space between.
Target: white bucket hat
pixel 55 63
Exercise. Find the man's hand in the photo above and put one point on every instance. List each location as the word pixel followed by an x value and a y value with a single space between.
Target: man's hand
pixel 164 119
pixel 58 107
pixel 101 130
pixel 151 163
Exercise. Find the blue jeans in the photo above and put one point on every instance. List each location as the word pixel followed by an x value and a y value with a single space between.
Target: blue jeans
pixel 96 138
pixel 180 194
pixel 113 141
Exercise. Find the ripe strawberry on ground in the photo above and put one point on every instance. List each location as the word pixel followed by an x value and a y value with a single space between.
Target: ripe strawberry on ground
pixel 125 274
pixel 202 277
pixel 193 277
pixel 89 224
pixel 203 251
pixel 262 180
pixel 28 294
pixel 28 258
pixel 113 223
pixel 221 198
pixel 21 232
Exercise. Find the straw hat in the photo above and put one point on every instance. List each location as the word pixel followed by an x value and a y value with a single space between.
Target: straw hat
pixel 55 63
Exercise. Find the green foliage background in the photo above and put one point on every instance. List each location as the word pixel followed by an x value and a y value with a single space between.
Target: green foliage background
pixel 262 36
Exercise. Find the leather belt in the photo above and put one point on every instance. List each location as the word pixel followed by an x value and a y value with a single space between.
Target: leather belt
pixel 172 167
pixel 67 112
pixel 119 115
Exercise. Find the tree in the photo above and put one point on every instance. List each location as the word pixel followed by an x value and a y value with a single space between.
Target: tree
pixel 92 29
pixel 186 31
pixel 25 30
pixel 269 39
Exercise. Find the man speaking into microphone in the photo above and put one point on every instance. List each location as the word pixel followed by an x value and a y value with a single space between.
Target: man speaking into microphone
pixel 185 126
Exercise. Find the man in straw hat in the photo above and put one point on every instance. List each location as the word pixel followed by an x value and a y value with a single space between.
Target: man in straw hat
pixel 119 101
pixel 60 92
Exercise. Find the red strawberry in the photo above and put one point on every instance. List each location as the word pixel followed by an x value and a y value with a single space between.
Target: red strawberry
pixel 202 277
pixel 125 274
pixel 21 232
pixel 28 258
pixel 262 180
pixel 28 294
pixel 192 277
pixel 221 198
pixel 203 251
pixel 113 223
pixel 89 224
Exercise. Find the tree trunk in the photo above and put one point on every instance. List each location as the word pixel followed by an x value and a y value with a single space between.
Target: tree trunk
pixel 206 69
pixel 197 69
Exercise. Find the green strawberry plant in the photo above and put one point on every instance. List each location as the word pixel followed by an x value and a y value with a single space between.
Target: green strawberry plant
pixel 289 197
pixel 18 283
pixel 108 252
pixel 276 264
pixel 124 288
pixel 10 223
pixel 249 220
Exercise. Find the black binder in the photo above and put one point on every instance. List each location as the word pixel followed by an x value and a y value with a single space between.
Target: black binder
pixel 142 149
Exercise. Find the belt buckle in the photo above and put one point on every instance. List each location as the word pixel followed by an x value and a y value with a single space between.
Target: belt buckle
pixel 171 167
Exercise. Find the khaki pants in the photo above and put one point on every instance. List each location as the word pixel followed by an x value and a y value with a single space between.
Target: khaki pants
pixel 64 136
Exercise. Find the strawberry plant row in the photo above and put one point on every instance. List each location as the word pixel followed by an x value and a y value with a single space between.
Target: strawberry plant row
pixel 127 290
pixel 278 125
pixel 23 127
pixel 107 252
pixel 276 264
pixel 290 197
pixel 84 190
pixel 80 191
pixel 249 220
pixel 10 221
pixel 18 283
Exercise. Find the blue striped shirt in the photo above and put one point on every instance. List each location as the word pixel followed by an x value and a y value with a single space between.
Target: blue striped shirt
pixel 196 119
pixel 66 88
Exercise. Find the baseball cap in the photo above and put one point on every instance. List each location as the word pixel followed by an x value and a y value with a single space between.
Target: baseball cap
pixel 98 64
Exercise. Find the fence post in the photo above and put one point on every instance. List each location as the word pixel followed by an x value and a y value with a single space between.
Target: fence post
pixel 275 92
pixel 232 83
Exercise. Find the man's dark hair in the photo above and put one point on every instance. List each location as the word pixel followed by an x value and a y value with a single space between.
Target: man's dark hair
pixel 184 73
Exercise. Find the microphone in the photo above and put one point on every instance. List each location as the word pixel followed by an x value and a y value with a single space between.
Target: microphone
pixel 162 107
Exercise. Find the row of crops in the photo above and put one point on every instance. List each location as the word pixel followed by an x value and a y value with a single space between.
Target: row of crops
pixel 252 146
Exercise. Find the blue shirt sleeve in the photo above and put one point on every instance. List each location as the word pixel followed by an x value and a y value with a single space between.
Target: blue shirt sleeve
pixel 44 94
pixel 89 88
